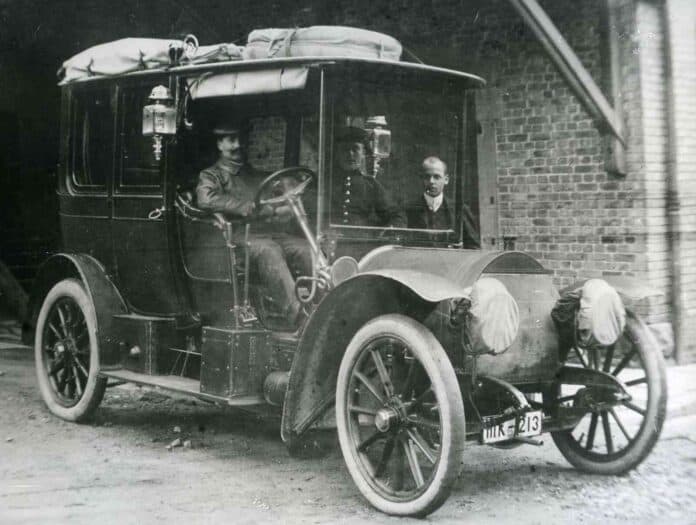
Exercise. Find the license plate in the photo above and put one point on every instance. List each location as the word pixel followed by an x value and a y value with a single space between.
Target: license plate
pixel 529 425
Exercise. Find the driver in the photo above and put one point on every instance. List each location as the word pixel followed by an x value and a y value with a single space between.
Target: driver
pixel 229 187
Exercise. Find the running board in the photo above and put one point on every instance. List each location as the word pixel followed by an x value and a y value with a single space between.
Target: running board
pixel 181 385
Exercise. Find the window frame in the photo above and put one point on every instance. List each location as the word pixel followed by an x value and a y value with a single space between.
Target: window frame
pixel 71 184
pixel 121 90
pixel 385 234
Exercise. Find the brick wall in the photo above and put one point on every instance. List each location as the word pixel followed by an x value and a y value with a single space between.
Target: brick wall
pixel 555 195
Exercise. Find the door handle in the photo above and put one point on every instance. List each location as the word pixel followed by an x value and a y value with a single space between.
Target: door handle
pixel 156 213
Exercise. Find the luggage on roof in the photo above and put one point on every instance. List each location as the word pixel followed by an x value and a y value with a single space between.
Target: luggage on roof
pixel 320 41
pixel 137 54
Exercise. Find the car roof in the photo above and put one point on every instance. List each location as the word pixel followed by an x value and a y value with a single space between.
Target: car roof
pixel 468 79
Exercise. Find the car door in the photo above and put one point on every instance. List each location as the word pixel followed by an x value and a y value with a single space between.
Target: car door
pixel 86 169
pixel 140 230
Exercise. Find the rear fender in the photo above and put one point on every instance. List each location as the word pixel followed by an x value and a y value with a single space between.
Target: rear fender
pixel 105 297
pixel 340 315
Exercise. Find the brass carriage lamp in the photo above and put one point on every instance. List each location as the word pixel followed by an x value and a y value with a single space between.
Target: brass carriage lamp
pixel 159 118
pixel 380 140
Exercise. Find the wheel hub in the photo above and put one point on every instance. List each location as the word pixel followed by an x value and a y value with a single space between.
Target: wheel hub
pixel 386 418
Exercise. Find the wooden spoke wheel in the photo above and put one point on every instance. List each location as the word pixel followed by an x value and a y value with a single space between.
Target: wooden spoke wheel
pixel 66 354
pixel 613 438
pixel 400 416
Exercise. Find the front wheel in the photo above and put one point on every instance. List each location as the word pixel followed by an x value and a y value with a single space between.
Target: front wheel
pixel 66 352
pixel 400 416
pixel 616 439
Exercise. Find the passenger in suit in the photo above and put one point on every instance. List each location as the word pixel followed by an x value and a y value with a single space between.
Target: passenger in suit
pixel 433 211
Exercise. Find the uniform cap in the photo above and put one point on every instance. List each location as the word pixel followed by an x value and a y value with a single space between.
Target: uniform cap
pixel 351 134
pixel 227 129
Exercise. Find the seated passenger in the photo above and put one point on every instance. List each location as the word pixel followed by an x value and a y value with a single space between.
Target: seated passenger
pixel 229 187
pixel 433 211
pixel 357 199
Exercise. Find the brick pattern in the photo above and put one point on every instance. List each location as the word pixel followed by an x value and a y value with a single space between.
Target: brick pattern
pixel 267 143
pixel 555 195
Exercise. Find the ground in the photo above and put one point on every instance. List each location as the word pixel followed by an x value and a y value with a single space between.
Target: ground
pixel 117 469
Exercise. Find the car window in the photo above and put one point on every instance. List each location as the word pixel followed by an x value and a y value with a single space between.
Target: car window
pixel 266 150
pixel 138 170
pixel 92 134
pixel 369 190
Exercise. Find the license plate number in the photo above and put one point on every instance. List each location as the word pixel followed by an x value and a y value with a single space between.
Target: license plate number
pixel 529 425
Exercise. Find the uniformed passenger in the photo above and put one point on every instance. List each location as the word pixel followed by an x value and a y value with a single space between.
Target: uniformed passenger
pixel 357 199
pixel 433 211
pixel 229 187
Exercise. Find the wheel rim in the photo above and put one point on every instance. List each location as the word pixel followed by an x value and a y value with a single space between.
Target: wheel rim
pixel 607 433
pixel 66 351
pixel 393 420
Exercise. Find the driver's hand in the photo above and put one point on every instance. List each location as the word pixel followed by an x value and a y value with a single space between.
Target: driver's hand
pixel 283 212
pixel 265 211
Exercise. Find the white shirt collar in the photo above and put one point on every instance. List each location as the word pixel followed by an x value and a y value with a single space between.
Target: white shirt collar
pixel 433 203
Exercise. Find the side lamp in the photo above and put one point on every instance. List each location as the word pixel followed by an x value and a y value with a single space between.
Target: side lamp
pixel 380 140
pixel 159 118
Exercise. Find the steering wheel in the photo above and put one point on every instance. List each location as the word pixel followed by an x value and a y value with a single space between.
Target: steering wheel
pixel 277 184
pixel 281 193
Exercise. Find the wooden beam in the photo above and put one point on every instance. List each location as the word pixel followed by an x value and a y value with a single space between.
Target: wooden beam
pixel 570 67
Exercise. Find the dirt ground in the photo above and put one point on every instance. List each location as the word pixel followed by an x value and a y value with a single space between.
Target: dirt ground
pixel 117 469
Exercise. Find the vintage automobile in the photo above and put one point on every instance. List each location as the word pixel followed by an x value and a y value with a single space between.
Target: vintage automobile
pixel 416 343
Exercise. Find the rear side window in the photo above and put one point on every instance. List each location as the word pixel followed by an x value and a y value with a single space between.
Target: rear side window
pixel 138 170
pixel 92 139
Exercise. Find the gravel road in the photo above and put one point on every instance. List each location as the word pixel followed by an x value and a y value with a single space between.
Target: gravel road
pixel 118 469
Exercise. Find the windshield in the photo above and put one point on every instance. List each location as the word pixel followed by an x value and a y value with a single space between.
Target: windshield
pixel 394 159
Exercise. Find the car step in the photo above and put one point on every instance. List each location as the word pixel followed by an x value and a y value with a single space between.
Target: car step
pixel 182 385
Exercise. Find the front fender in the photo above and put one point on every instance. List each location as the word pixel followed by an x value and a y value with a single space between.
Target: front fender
pixel 105 296
pixel 428 286
pixel 340 315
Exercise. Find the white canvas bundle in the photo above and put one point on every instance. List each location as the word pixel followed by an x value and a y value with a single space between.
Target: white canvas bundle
pixel 136 54
pixel 601 311
pixel 496 312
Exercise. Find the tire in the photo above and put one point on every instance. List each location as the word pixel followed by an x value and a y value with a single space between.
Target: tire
pixel 631 437
pixel 67 354
pixel 399 416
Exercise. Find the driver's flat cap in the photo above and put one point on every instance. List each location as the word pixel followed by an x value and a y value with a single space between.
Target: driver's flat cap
pixel 230 127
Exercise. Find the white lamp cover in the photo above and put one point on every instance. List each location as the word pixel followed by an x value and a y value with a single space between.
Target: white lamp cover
pixel 602 311
pixel 497 313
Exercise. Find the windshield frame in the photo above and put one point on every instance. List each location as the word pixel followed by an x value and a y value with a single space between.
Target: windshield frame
pixel 462 173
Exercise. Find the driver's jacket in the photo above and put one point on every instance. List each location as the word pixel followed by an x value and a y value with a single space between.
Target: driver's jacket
pixel 227 190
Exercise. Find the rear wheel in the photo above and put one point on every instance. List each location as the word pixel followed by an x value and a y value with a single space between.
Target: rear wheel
pixel 66 352
pixel 400 416
pixel 616 439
